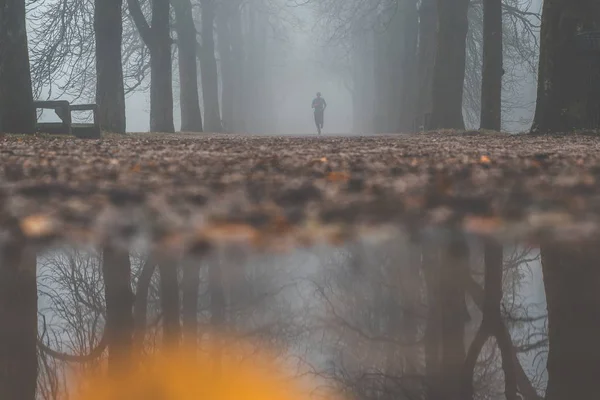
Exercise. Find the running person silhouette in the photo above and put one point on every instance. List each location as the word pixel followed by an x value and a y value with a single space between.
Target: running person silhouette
pixel 319 105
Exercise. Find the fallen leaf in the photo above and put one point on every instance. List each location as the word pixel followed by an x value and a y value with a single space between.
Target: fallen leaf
pixel 482 225
pixel 338 177
pixel 230 233
pixel 37 225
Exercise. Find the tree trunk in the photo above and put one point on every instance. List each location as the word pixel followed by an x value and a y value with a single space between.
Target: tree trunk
pixel 385 59
pixel 217 293
pixel 161 70
pixel 237 63
pixel 363 64
pixel 255 93
pixel 110 92
pixel 568 79
pixel 190 288
pixel 18 323
pixel 116 268
pixel 491 85
pixel 449 70
pixel 217 310
pixel 158 39
pixel 208 69
pixel 432 335
pixel 140 308
pixel 454 316
pixel 227 84
pixel 169 300
pixel 17 114
pixel 426 61
pixel 571 279
pixel 525 387
pixel 191 117
pixel 491 325
pixel 409 77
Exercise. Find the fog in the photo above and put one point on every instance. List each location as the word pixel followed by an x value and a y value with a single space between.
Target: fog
pixel 306 47
pixel 299 71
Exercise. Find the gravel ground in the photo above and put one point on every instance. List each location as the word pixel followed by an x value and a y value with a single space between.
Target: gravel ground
pixel 182 191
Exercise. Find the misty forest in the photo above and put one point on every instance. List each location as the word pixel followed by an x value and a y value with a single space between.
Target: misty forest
pixel 431 231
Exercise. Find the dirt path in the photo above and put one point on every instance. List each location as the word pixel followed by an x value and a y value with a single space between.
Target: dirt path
pixel 184 190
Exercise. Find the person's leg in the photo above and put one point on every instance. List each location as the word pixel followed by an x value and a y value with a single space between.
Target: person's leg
pixel 319 119
pixel 317 122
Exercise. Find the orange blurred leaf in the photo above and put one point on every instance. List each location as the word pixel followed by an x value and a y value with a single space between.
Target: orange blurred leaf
pixel 187 374
pixel 230 232
pixel 37 225
pixel 136 168
pixel 338 177
pixel 482 225
pixel 485 160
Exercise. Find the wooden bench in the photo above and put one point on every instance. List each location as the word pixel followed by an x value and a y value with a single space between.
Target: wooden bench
pixel 64 111
pixel 86 131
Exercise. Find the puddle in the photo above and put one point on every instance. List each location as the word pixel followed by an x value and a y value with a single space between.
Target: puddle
pixel 397 317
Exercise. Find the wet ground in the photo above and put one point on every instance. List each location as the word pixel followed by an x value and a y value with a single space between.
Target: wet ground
pixel 188 191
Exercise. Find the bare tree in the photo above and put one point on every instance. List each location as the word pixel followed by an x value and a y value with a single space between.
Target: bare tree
pixel 17 114
pixel 570 280
pixel 225 12
pixel 191 117
pixel 491 86
pixel 169 296
pixel 449 72
pixel 110 91
pixel 208 68
pixel 491 325
pixel 158 39
pixel 116 268
pixel 18 315
pixel 426 61
pixel 565 101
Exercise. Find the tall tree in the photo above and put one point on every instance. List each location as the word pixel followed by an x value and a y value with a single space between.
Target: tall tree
pixel 426 61
pixel 449 70
pixel 224 12
pixel 208 68
pixel 169 299
pixel 190 286
pixel 110 92
pixel 454 315
pixel 116 270
pixel 256 83
pixel 18 319
pixel 567 99
pixel 237 68
pixel 491 85
pixel 17 114
pixel 408 67
pixel 363 76
pixel 491 325
pixel 431 267
pixel 140 306
pixel 571 277
pixel 191 116
pixel 158 39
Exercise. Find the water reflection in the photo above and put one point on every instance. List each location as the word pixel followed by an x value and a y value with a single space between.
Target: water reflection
pixel 444 316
